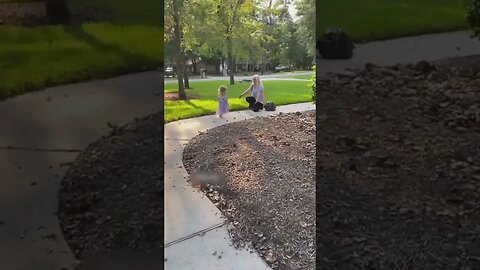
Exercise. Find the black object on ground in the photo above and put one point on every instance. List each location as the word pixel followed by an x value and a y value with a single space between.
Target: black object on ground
pixel 335 44
pixel 270 106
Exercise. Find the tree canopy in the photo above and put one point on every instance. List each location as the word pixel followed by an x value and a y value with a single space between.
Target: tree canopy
pixel 257 31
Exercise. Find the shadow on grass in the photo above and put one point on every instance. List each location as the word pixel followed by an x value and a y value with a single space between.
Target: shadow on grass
pixel 124 61
pixel 203 110
pixel 78 32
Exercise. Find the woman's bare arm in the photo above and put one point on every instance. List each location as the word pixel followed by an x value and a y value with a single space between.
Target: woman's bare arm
pixel 246 91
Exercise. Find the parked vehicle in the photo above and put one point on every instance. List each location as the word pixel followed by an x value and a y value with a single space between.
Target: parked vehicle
pixel 170 72
pixel 283 68
pixel 280 68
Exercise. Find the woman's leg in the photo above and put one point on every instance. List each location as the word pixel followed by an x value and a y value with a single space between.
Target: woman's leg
pixel 251 102
pixel 257 107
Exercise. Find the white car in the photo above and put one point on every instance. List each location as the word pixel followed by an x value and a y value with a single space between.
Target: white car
pixel 169 71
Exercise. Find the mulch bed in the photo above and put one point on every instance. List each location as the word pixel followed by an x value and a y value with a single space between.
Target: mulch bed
pixel 23 13
pixel 174 96
pixel 269 194
pixel 111 199
pixel 398 167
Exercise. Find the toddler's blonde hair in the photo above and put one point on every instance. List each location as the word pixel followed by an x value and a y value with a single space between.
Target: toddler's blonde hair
pixel 222 89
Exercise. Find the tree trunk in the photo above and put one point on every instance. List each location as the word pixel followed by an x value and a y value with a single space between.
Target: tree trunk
pixel 223 66
pixel 229 35
pixel 195 69
pixel 230 59
pixel 185 78
pixel 180 56
pixel 263 62
pixel 181 86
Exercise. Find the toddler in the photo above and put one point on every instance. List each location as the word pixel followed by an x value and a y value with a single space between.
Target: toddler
pixel 222 101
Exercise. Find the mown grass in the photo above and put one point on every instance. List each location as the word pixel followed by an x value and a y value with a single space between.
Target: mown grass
pixel 281 92
pixel 136 12
pixel 32 58
pixel 367 20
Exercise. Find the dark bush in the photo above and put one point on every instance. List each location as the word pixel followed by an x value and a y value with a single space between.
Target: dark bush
pixel 314 84
pixel 473 16
pixel 335 44
pixel 57 11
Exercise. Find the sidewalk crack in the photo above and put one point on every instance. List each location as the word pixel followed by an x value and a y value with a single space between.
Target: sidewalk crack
pixel 199 233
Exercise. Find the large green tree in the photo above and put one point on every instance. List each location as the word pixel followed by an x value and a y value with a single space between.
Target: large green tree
pixel 201 30
pixel 192 32
pixel 229 14
pixel 284 40
pixel 251 30
pixel 294 51
pixel 174 32
pixel 306 23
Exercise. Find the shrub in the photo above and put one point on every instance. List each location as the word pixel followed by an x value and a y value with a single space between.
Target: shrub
pixel 314 84
pixel 473 16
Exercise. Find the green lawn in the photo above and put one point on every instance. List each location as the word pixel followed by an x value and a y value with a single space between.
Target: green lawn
pixel 281 92
pixel 32 58
pixel 129 11
pixel 383 19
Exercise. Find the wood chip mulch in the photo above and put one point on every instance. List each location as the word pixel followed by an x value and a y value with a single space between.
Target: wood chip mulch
pixel 398 167
pixel 269 193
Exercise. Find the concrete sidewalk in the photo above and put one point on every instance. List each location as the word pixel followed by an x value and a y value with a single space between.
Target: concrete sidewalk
pixel 46 129
pixel 405 50
pixel 194 228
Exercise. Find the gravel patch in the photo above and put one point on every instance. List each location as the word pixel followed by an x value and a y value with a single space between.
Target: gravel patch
pixel 269 167
pixel 398 167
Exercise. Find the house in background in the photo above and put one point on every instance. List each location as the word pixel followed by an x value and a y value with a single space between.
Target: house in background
pixel 195 66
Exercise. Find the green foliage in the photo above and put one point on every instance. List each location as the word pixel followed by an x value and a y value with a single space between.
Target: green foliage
pixel 306 25
pixel 258 30
pixel 473 16
pixel 314 84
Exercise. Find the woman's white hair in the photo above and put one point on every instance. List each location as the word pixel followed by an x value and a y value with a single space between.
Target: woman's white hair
pixel 258 79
